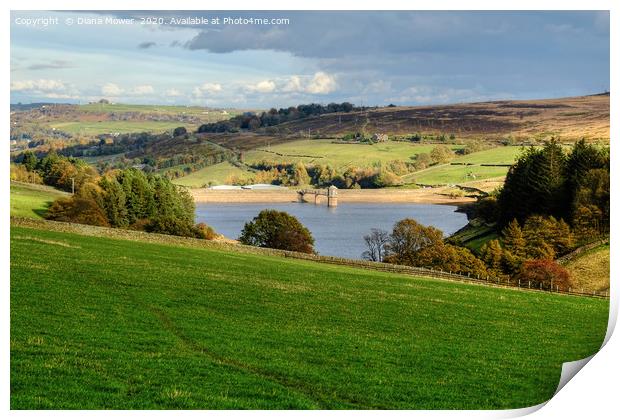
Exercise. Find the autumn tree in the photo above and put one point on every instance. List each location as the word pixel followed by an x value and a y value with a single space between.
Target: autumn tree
pixel 277 229
pixel 409 237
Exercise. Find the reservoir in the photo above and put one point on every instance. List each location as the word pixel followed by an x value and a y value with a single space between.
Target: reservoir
pixel 337 231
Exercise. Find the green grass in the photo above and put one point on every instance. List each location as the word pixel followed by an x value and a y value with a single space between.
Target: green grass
pixel 30 200
pixel 216 174
pixel 204 113
pixel 108 323
pixel 104 127
pixel 455 174
pixel 339 155
pixel 497 155
pixel 473 237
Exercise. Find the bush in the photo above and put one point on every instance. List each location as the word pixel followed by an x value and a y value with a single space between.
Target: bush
pixel 170 225
pixel 179 131
pixel 545 274
pixel 81 210
pixel 442 154
pixel 277 229
pixel 21 174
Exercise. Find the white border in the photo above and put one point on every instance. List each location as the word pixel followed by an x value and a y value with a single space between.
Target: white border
pixel 593 393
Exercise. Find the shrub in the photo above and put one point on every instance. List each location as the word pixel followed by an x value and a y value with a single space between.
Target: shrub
pixel 442 154
pixel 77 210
pixel 169 225
pixel 545 274
pixel 22 174
pixel 277 229
pixel 204 232
pixel 179 131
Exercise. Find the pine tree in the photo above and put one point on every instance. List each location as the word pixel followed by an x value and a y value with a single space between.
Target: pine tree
pixel 491 253
pixel 514 240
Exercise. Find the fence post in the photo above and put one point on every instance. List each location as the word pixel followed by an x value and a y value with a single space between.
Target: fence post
pixel 529 284
pixel 519 282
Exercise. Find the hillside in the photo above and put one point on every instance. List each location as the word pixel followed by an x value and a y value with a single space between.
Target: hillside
pixel 590 269
pixel 568 118
pixel 30 200
pixel 124 325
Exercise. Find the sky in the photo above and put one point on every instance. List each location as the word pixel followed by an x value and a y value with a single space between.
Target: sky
pixel 233 59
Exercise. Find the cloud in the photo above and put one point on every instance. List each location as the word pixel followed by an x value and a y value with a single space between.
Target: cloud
pixel 54 64
pixel 322 83
pixel 206 89
pixel 293 84
pixel 45 88
pixel 147 44
pixel 111 89
pixel 41 85
pixel 114 90
pixel 264 86
pixel 173 92
pixel 142 90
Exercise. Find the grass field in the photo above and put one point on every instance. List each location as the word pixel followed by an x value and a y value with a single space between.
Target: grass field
pixel 104 127
pixel 30 200
pixel 339 155
pixel 106 323
pixel 590 270
pixel 157 109
pixel 454 174
pixel 216 174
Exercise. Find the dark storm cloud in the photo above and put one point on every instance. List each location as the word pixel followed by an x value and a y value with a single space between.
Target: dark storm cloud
pixel 337 34
pixel 146 44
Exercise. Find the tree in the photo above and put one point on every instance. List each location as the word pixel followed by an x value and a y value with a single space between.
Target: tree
pixel 409 237
pixel 300 174
pixel 535 185
pixel 29 160
pixel 545 274
pixel 115 201
pixel 594 191
pixel 447 257
pixel 376 242
pixel 491 253
pixel 442 154
pixel 513 239
pixel 583 158
pixel 277 229
pixel 423 161
pixel 547 237
pixel 179 131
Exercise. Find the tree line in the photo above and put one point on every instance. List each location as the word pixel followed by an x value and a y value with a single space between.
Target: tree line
pixel 126 198
pixel 252 121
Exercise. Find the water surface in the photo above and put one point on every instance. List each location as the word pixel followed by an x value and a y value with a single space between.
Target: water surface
pixel 337 231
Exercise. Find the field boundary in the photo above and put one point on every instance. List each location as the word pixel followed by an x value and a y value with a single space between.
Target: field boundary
pixel 584 248
pixel 223 245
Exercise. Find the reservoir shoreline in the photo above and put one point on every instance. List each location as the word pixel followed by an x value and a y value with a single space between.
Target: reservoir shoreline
pixel 419 196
